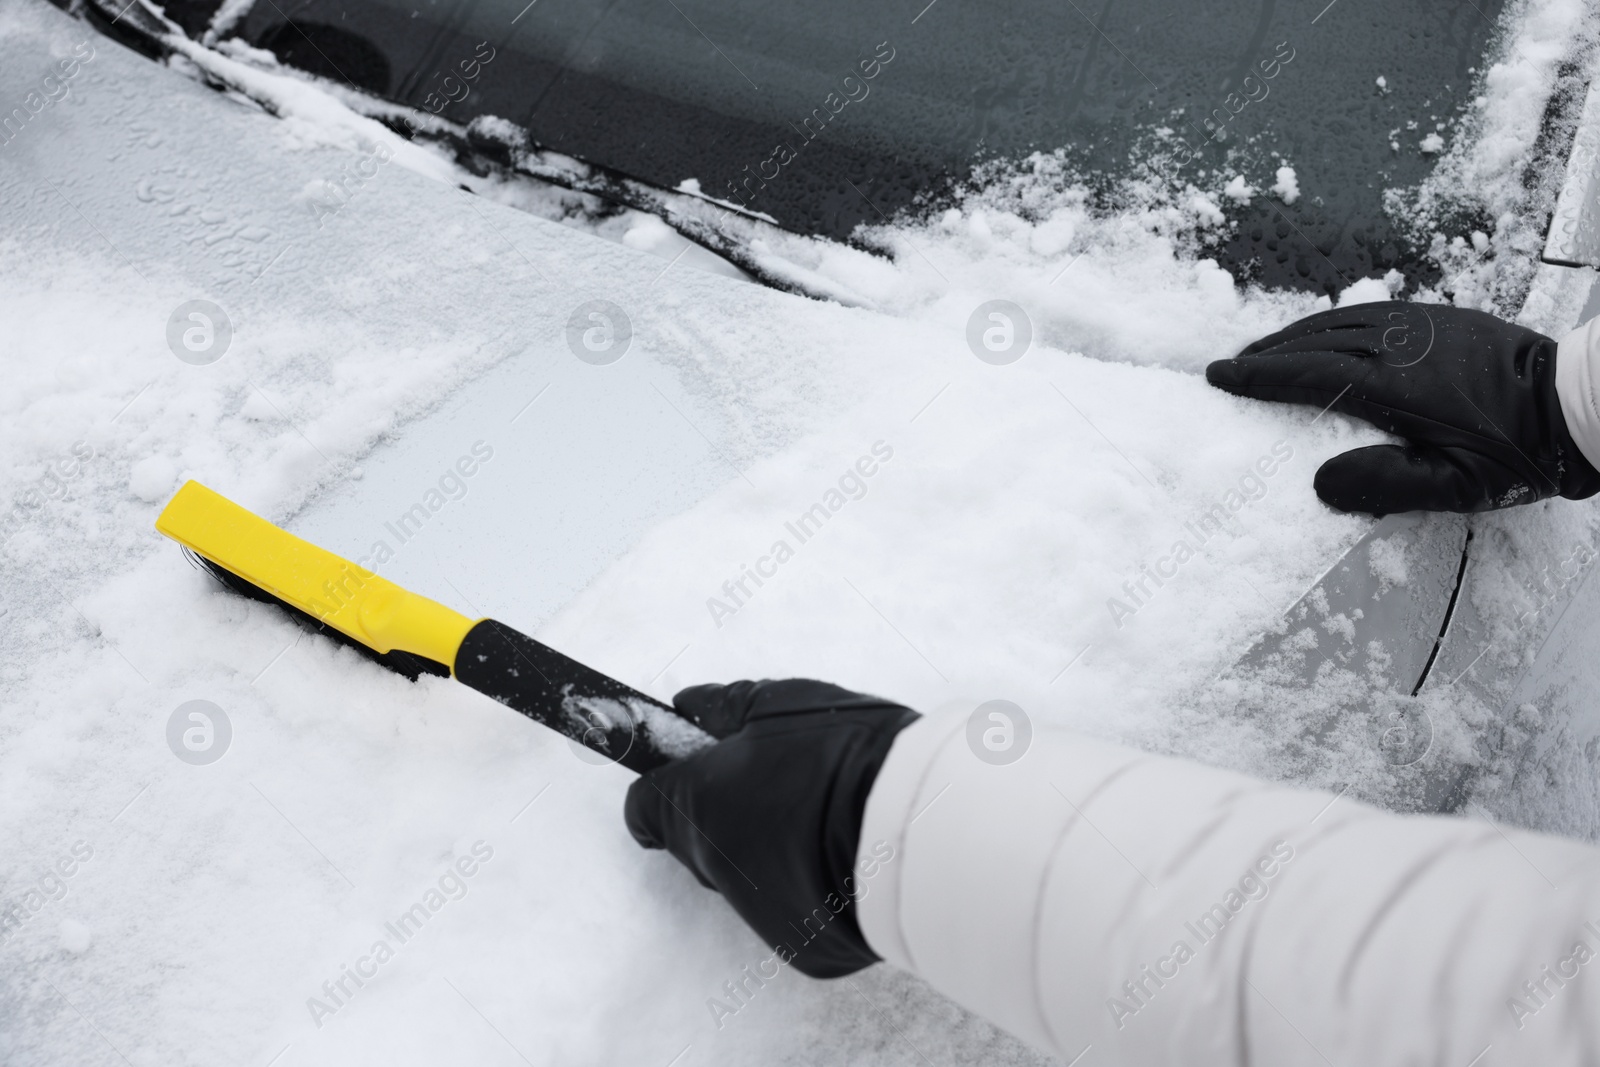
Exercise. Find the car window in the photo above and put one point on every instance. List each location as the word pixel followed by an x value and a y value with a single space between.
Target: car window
pixel 830 114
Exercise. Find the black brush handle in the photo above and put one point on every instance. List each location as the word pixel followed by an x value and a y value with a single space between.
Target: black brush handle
pixel 618 723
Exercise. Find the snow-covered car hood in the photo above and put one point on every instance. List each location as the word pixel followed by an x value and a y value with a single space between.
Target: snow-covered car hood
pixel 953 529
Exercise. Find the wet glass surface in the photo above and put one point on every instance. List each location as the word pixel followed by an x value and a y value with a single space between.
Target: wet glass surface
pixel 829 114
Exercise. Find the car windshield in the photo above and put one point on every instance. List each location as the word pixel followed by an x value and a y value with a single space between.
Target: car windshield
pixel 827 115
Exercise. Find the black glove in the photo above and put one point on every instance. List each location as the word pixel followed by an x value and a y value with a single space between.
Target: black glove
pixel 1474 396
pixel 770 816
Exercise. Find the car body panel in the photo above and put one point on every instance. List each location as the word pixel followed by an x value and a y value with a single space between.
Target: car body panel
pixel 221 916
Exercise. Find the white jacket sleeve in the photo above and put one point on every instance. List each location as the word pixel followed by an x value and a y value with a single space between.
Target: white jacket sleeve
pixel 1134 909
pixel 1577 379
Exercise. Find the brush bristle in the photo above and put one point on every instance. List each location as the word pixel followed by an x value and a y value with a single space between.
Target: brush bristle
pixel 402 663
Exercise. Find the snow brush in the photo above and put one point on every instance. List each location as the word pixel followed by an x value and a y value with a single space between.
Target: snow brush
pixel 412 635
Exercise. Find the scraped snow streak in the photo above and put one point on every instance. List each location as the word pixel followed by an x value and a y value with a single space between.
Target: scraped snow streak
pixel 385 872
pixel 664 731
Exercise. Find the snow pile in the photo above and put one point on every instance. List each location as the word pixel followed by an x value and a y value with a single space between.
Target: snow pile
pixel 1126 286
pixel 1287 185
pixel 1239 191
pixel 1034 535
pixel 1491 171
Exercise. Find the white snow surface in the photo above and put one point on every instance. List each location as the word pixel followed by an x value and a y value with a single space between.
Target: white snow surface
pixel 210 909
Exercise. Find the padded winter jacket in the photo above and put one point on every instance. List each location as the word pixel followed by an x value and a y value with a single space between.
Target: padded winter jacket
pixel 1578 387
pixel 1113 907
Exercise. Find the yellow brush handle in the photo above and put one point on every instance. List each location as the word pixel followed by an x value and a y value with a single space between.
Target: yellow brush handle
pixel 351 599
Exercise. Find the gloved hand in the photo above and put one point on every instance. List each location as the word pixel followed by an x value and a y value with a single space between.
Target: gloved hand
pixel 1474 396
pixel 770 815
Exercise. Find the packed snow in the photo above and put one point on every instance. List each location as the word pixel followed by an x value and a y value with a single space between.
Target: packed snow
pixel 1286 185
pixel 381 871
